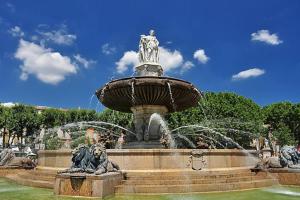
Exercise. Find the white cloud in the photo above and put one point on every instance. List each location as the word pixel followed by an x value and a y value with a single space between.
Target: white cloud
pixel 16 32
pixel 108 49
pixel 254 72
pixel 86 63
pixel 8 104
pixel 48 66
pixel 201 56
pixel 170 60
pixel 129 59
pixel 187 65
pixel 265 36
pixel 60 36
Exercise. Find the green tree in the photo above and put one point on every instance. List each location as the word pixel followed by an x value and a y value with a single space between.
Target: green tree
pixel 51 118
pixel 227 113
pixel 5 118
pixel 23 119
pixel 282 116
pixel 115 117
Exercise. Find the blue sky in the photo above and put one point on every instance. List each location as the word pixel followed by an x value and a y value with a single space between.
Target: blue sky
pixel 57 53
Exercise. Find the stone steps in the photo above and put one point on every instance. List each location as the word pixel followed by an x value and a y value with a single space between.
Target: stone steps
pixel 143 182
pixel 30 182
pixel 193 181
pixel 191 176
pixel 28 176
pixel 34 178
pixel 144 189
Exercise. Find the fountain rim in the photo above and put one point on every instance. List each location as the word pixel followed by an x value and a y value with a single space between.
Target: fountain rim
pixel 147 79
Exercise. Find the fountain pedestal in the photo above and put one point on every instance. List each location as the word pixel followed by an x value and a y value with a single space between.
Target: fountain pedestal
pixel 142 116
pixel 149 69
pixel 87 185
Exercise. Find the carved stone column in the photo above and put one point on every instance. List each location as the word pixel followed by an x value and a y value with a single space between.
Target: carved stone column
pixel 142 115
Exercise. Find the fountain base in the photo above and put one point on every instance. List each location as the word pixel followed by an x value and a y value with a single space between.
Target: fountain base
pixel 143 145
pixel 149 69
pixel 87 185
pixel 142 115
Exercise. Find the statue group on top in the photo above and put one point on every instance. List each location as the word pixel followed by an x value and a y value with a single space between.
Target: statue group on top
pixel 148 48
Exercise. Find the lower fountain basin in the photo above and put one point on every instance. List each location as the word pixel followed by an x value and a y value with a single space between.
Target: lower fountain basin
pixel 122 94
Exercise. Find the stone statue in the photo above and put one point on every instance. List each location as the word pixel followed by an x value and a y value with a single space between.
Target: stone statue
pixel 8 159
pixel 80 159
pixel 148 48
pixel 289 157
pixel 93 160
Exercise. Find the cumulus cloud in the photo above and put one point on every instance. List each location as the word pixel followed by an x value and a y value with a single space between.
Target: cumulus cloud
pixel 129 59
pixel 48 66
pixel 170 60
pixel 201 56
pixel 254 72
pixel 16 32
pixel 107 49
pixel 86 63
pixel 266 36
pixel 187 65
pixel 60 36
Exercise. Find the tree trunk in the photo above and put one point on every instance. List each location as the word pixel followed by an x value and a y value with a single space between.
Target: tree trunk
pixel 3 137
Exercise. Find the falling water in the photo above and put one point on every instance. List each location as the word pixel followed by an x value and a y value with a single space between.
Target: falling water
pixel 164 128
pixel 186 139
pixel 132 93
pixel 91 100
pixel 97 106
pixel 171 96
pixel 95 123
pixel 212 131
pixel 201 107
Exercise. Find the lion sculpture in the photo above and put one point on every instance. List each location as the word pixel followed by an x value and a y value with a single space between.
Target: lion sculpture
pixel 80 159
pixel 91 160
pixel 289 157
pixel 99 162
pixel 9 159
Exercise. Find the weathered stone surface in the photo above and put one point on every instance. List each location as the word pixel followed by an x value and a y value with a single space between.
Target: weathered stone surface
pixel 143 159
pixel 117 94
pixel 142 115
pixel 87 185
pixel 148 69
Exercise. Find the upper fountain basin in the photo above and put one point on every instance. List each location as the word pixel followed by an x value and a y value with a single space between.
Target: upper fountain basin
pixel 122 94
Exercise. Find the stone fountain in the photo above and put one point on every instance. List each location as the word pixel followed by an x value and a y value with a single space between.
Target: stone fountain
pixel 148 92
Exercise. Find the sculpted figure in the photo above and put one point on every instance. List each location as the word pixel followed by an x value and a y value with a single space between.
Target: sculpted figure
pixel 148 48
pixel 8 159
pixel 80 159
pixel 91 160
pixel 289 157
pixel 6 156
pixel 98 162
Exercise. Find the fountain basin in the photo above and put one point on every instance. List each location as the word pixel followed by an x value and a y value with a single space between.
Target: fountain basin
pixel 157 159
pixel 122 94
